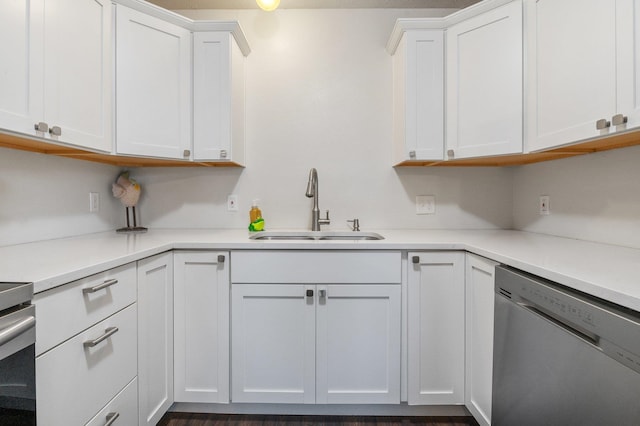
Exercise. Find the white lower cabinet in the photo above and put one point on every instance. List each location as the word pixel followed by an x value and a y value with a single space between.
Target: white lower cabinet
pixel 155 342
pixel 436 328
pixel 201 326
pixel 297 340
pixel 77 378
pixel 121 410
pixel 480 281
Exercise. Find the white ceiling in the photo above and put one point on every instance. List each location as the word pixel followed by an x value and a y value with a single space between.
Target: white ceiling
pixel 316 4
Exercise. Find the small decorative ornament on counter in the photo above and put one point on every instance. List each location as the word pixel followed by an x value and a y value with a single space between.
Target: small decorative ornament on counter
pixel 127 190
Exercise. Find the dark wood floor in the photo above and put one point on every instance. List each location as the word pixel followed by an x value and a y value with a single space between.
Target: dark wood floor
pixel 190 419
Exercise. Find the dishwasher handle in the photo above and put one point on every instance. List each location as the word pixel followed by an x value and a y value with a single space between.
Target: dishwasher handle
pixel 584 335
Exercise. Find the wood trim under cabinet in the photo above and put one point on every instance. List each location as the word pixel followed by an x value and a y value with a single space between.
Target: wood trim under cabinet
pixel 25 143
pixel 620 140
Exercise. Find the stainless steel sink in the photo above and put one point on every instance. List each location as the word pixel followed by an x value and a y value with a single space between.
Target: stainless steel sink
pixel 315 235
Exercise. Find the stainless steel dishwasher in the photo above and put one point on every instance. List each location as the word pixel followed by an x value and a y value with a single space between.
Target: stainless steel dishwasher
pixel 562 357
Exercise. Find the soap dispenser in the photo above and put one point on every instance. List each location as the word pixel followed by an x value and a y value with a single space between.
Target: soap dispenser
pixel 256 222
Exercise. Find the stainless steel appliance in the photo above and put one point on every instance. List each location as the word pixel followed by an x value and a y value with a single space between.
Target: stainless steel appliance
pixel 562 357
pixel 17 355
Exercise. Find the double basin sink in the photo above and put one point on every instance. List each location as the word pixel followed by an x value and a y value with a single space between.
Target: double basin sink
pixel 315 235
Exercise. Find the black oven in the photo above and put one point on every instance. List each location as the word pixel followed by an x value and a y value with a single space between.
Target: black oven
pixel 17 355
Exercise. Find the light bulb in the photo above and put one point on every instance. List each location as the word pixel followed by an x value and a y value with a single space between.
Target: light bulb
pixel 268 5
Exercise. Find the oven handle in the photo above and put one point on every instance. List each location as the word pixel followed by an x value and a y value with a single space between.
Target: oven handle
pixel 9 333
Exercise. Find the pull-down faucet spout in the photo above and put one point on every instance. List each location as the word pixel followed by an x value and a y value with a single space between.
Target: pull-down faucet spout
pixel 312 192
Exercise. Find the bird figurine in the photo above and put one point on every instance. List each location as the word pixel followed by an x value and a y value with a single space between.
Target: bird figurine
pixel 127 190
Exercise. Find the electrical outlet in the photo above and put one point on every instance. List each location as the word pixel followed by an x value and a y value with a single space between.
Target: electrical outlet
pixel 232 203
pixel 545 208
pixel 425 204
pixel 94 202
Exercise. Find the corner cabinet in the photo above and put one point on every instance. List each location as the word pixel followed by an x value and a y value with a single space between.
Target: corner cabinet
pixel 153 86
pixel 485 84
pixel 479 295
pixel 201 326
pixel 218 98
pixel 418 96
pixel 48 89
pixel 436 328
pixel 583 67
pixel 325 331
pixel 155 337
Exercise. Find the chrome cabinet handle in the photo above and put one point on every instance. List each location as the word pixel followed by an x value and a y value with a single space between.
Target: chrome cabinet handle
pixel 221 258
pixel 415 259
pixel 55 131
pixel 451 153
pixel 41 127
pixel 412 154
pixel 14 330
pixel 111 418
pixel 322 293
pixel 223 153
pixel 107 333
pixel 309 293
pixel 186 153
pixel 619 119
pixel 107 283
pixel 602 124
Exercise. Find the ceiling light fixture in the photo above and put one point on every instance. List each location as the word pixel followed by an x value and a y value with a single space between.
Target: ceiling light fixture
pixel 268 5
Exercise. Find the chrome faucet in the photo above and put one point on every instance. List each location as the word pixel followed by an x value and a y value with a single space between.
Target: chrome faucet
pixel 312 192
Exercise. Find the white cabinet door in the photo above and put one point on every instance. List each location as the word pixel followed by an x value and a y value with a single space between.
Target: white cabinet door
pixel 358 344
pixel 436 328
pixel 480 280
pixel 418 96
pixel 573 68
pixel 155 337
pixel 153 86
pixel 21 64
pixel 628 57
pixel 77 71
pixel 485 84
pixel 273 343
pixel 201 321
pixel 218 98
pixel 56 69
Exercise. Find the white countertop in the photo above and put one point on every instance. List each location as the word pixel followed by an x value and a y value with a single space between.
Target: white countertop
pixel 606 271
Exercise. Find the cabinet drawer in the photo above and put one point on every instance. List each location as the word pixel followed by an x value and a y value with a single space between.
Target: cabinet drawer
pixel 75 381
pixel 316 267
pixel 124 407
pixel 65 311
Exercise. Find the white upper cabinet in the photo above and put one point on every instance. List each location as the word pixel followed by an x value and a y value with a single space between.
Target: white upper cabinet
pixel 218 98
pixel 153 86
pixel 485 84
pixel 56 70
pixel 582 66
pixel 20 50
pixel 418 96
pixel 77 71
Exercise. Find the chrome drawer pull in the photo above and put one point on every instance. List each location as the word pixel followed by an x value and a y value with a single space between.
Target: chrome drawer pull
pixel 107 333
pixel 107 283
pixel 111 418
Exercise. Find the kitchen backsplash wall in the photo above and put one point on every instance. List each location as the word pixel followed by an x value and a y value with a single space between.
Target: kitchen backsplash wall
pixel 319 95
pixel 44 197
pixel 594 197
